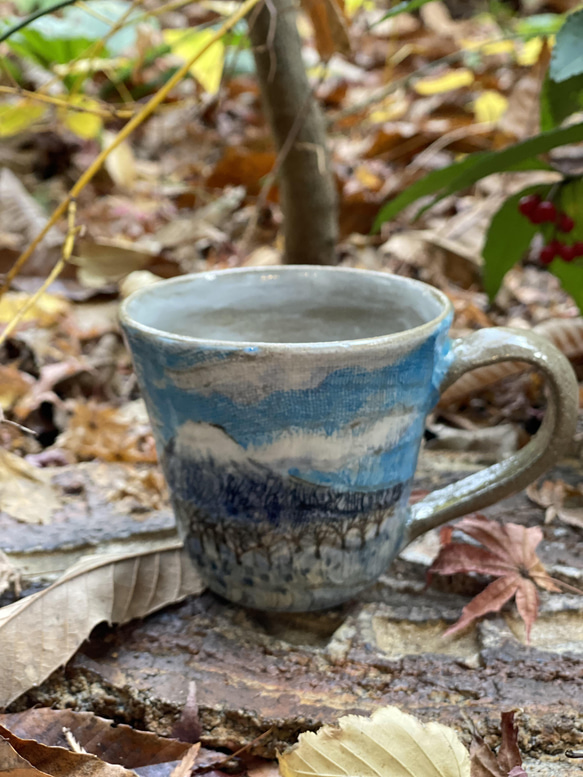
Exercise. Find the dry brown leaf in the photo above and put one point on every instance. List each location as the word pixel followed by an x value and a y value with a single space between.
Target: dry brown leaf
pixel 101 432
pixel 116 744
pixel 330 26
pixel 14 384
pixel 8 575
pixel 184 768
pixel 26 492
pixel 103 261
pixel 508 760
pixel 390 742
pixel 560 500
pixel 23 216
pixel 41 632
pixel 19 758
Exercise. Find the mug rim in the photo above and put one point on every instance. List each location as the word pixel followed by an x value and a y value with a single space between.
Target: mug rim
pixel 395 338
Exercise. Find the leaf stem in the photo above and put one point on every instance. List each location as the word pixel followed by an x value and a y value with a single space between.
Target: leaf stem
pixel 31 18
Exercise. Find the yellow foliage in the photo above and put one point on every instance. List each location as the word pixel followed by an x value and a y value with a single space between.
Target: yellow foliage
pixel 208 69
pixel 352 6
pixel 490 106
pixel 46 311
pixel 454 79
pixel 84 125
pixel 530 50
pixel 17 117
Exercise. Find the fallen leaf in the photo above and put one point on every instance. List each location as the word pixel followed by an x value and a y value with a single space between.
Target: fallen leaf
pixel 188 727
pixel 508 554
pixel 82 123
pixel 8 575
pixel 208 68
pixel 22 215
pixel 119 163
pixel 507 762
pixel 26 758
pixel 453 79
pixel 184 768
pixel 330 27
pixel 115 743
pixel 101 432
pixel 19 116
pixel 26 492
pixel 490 106
pixel 14 384
pixel 47 311
pixel 560 500
pixel 102 261
pixel 41 632
pixel 390 742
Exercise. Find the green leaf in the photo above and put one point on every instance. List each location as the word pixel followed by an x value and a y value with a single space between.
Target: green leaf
pixel 429 184
pixel 406 6
pixel 508 239
pixel 571 277
pixel 560 100
pixel 514 157
pixel 567 57
pixel 540 24
pixel 570 200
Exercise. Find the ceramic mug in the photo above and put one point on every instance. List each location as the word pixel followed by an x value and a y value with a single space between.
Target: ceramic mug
pixel 288 406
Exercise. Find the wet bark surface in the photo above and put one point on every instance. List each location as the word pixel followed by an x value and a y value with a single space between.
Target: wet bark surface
pixel 257 672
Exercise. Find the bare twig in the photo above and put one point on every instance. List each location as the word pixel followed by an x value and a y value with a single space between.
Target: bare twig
pixel 132 124
pixel 106 112
pixel 281 157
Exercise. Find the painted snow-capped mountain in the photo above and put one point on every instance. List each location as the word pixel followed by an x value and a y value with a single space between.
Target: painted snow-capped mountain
pixel 206 468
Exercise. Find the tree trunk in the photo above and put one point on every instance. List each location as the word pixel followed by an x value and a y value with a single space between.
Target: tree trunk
pixel 307 189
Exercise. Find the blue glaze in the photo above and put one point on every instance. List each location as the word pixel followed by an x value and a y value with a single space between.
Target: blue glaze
pixel 291 471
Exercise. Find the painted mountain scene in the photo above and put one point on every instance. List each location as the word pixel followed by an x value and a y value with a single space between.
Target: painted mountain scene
pixel 253 527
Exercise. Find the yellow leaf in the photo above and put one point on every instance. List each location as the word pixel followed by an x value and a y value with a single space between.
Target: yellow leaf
pixel 46 311
pixel 454 79
pixel 208 68
pixel 85 125
pixel 389 743
pixel 490 106
pixel 352 6
pixel 19 116
pixel 529 52
pixel 120 163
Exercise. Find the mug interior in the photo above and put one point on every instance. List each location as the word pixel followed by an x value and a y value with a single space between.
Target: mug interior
pixel 284 305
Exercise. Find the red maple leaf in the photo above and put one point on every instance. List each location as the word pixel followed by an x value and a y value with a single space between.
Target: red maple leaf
pixel 508 554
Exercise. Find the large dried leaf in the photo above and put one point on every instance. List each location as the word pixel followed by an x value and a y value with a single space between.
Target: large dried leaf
pixel 26 758
pixel 388 743
pixel 41 632
pixel 119 744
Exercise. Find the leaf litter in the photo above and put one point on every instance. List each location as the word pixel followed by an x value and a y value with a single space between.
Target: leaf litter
pixel 176 200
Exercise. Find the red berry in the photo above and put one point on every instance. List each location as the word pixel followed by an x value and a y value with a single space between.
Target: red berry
pixel 544 211
pixel 564 222
pixel 547 255
pixel 567 253
pixel 527 204
pixel 578 248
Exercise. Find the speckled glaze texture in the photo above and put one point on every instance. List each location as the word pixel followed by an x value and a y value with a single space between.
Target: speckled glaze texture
pixel 290 464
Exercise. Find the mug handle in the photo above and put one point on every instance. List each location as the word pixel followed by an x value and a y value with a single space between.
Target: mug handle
pixel 480 349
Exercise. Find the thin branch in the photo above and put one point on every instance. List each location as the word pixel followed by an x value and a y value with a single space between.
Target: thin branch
pixel 36 15
pixel 281 157
pixel 107 113
pixel 132 124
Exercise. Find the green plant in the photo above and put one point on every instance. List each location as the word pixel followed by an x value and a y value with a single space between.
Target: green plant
pixel 557 219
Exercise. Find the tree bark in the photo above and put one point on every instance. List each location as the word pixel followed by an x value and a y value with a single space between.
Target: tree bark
pixel 307 189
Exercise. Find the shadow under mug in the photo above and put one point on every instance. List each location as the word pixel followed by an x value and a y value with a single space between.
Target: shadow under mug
pixel 288 406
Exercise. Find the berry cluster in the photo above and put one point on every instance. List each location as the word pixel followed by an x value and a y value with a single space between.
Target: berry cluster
pixel 539 211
